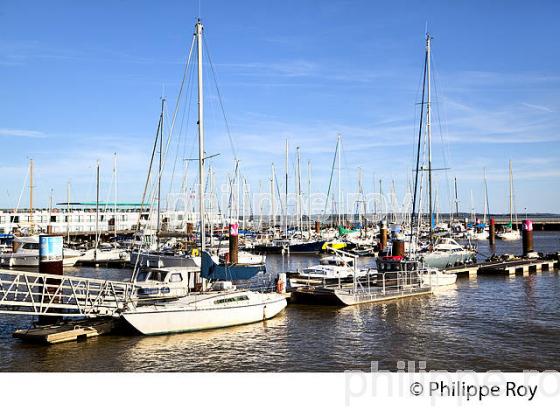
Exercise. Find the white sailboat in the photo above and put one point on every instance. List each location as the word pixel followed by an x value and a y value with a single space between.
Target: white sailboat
pixel 509 233
pixel 204 310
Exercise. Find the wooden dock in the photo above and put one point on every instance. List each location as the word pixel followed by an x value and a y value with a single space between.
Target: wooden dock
pixel 67 331
pixel 510 267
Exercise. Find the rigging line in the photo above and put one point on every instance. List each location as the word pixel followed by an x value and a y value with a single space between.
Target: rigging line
pixel 146 185
pixel 166 148
pixel 193 141
pixel 177 104
pixel 414 197
pixel 330 182
pixel 188 93
pixel 22 190
pixel 445 146
pixel 220 100
pixel 278 193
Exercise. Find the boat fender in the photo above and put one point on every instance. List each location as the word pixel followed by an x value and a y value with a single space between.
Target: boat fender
pixel 279 285
pixel 194 252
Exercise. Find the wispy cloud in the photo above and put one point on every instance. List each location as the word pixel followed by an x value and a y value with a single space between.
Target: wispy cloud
pixel 7 132
pixel 538 107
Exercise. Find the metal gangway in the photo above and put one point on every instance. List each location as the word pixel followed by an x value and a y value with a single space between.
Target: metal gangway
pixel 42 294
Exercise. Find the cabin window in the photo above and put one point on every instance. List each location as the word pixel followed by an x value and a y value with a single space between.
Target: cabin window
pixel 30 246
pixel 233 299
pixel 176 277
pixel 53 218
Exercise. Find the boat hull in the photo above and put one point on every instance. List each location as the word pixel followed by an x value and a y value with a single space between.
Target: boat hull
pixel 167 321
pixel 441 260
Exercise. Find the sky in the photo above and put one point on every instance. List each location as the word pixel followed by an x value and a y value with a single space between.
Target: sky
pixel 80 81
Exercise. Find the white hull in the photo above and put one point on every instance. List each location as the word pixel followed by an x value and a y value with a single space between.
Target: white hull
pixel 200 312
pixel 103 256
pixel 509 236
pixel 438 278
pixel 12 260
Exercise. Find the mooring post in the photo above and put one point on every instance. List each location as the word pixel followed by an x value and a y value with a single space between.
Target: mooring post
pixel 51 256
pixel 233 243
pixel 382 236
pixel 527 232
pixel 492 237
pixel 318 227
pixel 397 247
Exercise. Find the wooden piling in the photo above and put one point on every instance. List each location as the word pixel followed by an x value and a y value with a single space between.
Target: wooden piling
pixel 234 243
pixel 492 237
pixel 527 232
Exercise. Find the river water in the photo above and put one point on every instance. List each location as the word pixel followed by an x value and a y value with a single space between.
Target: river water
pixel 488 323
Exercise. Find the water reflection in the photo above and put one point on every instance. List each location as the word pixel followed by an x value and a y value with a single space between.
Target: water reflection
pixel 507 323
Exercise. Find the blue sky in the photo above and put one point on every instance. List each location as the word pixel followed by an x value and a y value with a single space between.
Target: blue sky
pixel 80 81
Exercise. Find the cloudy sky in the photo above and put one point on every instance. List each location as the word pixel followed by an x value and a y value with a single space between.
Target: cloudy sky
pixel 80 81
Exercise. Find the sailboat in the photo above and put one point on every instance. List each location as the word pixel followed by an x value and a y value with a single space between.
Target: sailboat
pixel 445 252
pixel 509 233
pixel 223 305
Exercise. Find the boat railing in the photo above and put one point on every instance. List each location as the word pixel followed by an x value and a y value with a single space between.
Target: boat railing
pixel 385 283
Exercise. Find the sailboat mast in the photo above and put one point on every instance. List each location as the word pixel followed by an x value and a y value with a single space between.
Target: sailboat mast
pixel 68 212
pixel 96 211
pixel 339 184
pixel 286 194
pixel 272 199
pixel 31 225
pixel 309 195
pixel 115 200
pixel 486 204
pixel 510 195
pixel 456 201
pixel 198 31
pixel 299 210
pixel 160 169
pixel 429 132
pixel 211 215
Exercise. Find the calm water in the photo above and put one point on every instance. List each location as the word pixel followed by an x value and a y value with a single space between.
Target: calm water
pixel 491 323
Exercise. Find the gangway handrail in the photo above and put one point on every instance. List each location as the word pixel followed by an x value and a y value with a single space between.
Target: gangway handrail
pixel 43 294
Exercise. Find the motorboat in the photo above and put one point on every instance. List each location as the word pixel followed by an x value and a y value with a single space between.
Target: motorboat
pixel 25 253
pixel 105 252
pixel 434 277
pixel 446 253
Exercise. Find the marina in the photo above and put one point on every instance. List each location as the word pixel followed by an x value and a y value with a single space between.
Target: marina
pixel 270 188
pixel 322 338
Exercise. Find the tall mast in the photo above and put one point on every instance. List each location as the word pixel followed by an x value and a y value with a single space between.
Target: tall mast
pixel 211 175
pixel 198 31
pixel 68 212
pixel 272 199
pixel 96 211
pixel 429 131
pixel 298 187
pixel 286 194
pixel 31 224
pixel 510 195
pixel 339 190
pixel 115 200
pixel 456 200
pixel 486 205
pixel 158 230
pixel 309 195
